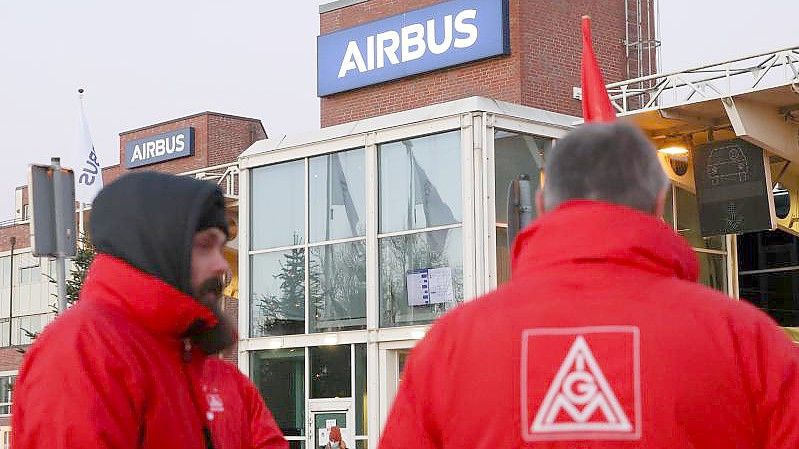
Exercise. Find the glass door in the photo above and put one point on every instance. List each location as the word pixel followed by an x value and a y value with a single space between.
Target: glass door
pixel 327 414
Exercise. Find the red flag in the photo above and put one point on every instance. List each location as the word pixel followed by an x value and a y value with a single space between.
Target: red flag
pixel 596 104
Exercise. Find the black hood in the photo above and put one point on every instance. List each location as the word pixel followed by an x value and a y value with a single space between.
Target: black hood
pixel 149 219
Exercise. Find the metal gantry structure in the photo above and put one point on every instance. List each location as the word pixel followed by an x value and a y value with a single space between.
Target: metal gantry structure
pixel 711 81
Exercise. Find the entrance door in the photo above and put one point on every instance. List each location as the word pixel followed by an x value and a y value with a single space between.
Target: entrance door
pixel 328 413
pixel 392 363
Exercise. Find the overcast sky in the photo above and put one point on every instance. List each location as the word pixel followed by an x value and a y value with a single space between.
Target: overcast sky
pixel 147 61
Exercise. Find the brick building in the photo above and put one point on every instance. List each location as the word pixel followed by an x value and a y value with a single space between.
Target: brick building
pixel 25 286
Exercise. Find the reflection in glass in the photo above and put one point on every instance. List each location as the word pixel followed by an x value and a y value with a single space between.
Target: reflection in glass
pixel 775 293
pixel 514 155
pixel 323 421
pixel 713 271
pixel 767 249
pixel 34 297
pixel 277 206
pixel 420 182
pixel 668 207
pixel 782 202
pixel 402 256
pixel 277 297
pixel 6 385
pixel 279 375
pixel 688 222
pixel 361 409
pixel 330 372
pixel 337 287
pixel 337 196
pixel 503 256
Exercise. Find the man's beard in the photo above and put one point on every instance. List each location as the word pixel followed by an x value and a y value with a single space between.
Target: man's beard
pixel 221 336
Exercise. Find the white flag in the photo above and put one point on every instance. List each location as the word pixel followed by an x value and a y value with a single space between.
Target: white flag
pixel 88 175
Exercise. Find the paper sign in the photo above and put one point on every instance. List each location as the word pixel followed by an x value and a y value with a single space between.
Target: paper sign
pixel 330 423
pixel 324 437
pixel 430 286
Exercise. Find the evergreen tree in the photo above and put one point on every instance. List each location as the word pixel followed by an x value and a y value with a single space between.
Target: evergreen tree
pixel 80 266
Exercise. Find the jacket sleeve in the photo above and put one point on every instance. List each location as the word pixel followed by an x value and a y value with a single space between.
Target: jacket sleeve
pixel 775 385
pixel 75 397
pixel 413 421
pixel 264 431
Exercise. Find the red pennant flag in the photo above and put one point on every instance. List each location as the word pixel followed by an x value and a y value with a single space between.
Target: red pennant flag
pixel 596 104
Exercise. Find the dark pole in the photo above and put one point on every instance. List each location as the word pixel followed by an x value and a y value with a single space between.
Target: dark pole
pixel 13 241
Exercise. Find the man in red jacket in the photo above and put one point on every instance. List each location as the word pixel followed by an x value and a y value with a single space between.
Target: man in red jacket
pixel 602 338
pixel 129 366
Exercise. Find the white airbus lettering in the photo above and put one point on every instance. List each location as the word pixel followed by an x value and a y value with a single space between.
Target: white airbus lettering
pixel 158 148
pixel 412 41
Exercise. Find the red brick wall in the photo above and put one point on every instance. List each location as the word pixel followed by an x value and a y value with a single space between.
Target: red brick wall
pixel 231 308
pixel 21 232
pixel 541 70
pixel 10 359
pixel 228 137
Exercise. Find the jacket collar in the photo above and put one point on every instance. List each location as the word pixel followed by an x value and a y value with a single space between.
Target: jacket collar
pixel 151 302
pixel 593 231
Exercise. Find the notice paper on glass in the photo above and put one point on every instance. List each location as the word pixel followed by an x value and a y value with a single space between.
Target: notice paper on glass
pixel 430 286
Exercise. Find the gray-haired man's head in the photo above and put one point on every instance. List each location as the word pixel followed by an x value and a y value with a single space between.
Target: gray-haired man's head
pixel 615 163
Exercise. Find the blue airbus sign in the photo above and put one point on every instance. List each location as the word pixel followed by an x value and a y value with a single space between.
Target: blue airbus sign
pixel 159 148
pixel 442 35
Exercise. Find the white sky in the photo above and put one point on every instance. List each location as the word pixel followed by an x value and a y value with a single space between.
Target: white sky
pixel 148 61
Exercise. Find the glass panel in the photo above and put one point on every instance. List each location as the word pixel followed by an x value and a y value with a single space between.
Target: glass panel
pixel 713 271
pixel 296 444
pixel 322 424
pixel 26 328
pixel 514 155
pixel 337 287
pixel 688 222
pixel 361 415
pixel 420 182
pixel 337 196
pixel 503 256
pixel 5 337
pixel 362 444
pixel 402 359
pixel 668 208
pixel 278 293
pixel 5 270
pixel 278 205
pixel 775 293
pixel 414 257
pixel 767 249
pixel 6 385
pixel 330 374
pixel 279 376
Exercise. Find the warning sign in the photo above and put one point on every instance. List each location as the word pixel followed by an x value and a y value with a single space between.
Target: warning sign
pixel 581 384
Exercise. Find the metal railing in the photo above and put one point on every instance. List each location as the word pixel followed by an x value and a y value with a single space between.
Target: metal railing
pixel 226 177
pixel 706 82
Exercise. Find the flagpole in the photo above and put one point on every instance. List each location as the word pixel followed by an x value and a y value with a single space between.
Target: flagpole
pixel 80 223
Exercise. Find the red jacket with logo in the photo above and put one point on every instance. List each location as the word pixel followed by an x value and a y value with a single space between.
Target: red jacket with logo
pixel 113 372
pixel 602 339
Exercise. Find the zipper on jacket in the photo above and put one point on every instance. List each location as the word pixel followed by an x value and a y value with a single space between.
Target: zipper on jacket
pixel 209 443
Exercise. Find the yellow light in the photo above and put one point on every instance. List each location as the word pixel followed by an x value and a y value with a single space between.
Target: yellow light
pixel 674 150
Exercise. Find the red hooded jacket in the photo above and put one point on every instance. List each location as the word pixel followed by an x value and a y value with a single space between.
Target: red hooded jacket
pixel 113 372
pixel 602 339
